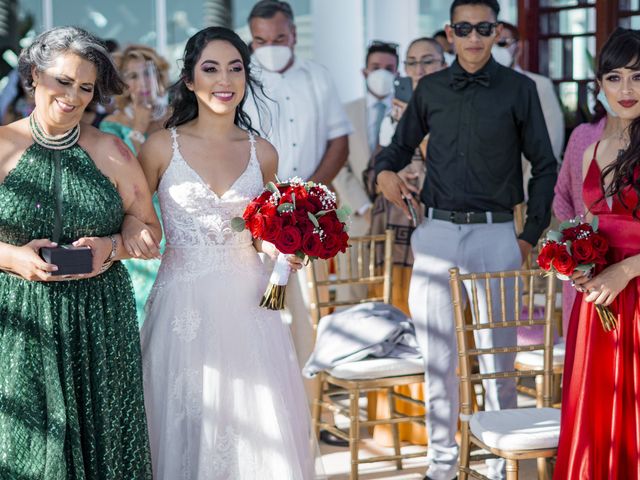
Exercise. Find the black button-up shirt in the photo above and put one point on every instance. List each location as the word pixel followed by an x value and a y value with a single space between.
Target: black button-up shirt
pixel 480 124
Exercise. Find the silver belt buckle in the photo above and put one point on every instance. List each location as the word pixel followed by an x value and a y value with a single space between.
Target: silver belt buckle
pixel 468 217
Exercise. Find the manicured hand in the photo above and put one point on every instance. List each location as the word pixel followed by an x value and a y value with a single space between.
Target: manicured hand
pixel 605 287
pixel 100 251
pixel 295 263
pixel 27 263
pixel 138 239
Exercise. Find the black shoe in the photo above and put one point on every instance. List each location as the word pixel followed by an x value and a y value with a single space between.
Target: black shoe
pixel 330 439
pixel 427 477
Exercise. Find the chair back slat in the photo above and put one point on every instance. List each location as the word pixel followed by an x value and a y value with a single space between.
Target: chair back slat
pixel 465 287
pixel 357 266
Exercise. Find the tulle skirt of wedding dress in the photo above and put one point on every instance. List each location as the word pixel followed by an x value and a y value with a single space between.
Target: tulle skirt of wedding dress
pixel 223 391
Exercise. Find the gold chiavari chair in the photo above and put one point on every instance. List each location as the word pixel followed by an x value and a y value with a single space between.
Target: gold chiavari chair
pixel 370 375
pixel 512 434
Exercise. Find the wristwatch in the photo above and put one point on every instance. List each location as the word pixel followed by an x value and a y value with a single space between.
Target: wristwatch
pixel 137 136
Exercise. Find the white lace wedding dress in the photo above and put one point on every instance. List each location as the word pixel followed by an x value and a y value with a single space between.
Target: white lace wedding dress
pixel 223 391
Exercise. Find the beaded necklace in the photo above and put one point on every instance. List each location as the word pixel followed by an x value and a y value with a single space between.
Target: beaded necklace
pixel 53 142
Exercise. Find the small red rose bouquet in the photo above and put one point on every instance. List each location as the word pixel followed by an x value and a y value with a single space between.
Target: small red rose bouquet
pixel 299 218
pixel 576 246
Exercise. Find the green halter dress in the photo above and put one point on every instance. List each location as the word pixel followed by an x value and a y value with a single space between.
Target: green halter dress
pixel 71 401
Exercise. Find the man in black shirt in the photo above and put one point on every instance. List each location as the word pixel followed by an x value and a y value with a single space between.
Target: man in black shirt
pixel 481 118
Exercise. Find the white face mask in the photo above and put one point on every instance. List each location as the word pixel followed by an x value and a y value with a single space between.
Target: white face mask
pixel 502 55
pixel 602 98
pixel 273 57
pixel 380 82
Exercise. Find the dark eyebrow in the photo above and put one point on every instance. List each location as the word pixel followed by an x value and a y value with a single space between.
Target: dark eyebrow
pixel 215 62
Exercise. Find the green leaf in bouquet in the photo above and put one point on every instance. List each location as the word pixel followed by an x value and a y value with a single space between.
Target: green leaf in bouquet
pixel 321 213
pixel 568 245
pixel 313 219
pixel 594 223
pixel 293 200
pixel 567 224
pixel 285 207
pixel 343 213
pixel 554 236
pixel 272 187
pixel 238 224
pixel 585 267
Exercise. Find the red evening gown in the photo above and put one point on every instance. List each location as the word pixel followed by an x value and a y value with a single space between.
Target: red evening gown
pixel 600 425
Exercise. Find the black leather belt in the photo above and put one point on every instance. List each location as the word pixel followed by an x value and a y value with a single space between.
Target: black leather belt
pixel 470 217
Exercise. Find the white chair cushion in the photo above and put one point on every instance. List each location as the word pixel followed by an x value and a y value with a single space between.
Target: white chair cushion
pixel 370 369
pixel 535 358
pixel 518 429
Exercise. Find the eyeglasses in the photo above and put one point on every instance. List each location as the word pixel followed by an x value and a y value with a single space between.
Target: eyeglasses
pixel 425 63
pixel 463 29
pixel 380 43
pixel 506 42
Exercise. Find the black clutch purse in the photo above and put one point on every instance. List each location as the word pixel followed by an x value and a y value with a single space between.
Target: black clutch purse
pixel 70 260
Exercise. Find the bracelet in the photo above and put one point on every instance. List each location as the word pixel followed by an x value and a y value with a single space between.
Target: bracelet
pixel 137 136
pixel 114 249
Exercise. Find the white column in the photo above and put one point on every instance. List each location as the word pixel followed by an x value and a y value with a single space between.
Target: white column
pixel 338 43
pixel 394 21
pixel 161 27
pixel 47 14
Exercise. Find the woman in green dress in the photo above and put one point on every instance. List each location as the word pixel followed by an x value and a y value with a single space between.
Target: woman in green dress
pixel 71 402
pixel 141 110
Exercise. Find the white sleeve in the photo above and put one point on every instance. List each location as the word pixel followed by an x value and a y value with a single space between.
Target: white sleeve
pixel 338 123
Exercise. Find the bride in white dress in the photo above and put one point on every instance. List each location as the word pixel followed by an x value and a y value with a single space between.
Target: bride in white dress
pixel 223 391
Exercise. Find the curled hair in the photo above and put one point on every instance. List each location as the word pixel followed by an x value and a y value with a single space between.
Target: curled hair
pixel 622 50
pixel 47 46
pixel 144 53
pixel 184 104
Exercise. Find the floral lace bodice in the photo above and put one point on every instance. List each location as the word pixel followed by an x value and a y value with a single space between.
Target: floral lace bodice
pixel 195 216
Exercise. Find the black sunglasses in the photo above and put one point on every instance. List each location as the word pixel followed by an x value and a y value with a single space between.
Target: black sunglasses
pixel 463 29
pixel 424 63
pixel 505 42
pixel 387 45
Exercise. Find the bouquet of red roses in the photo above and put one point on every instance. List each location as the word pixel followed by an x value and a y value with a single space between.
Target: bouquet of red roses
pixel 576 246
pixel 299 218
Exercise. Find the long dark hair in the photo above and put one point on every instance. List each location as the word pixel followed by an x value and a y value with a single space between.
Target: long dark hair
pixel 184 105
pixel 622 50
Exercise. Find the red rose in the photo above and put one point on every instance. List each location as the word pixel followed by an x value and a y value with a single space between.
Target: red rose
pixel 330 223
pixel 330 245
pixel 273 226
pixel 599 242
pixel 289 241
pixel 256 225
pixel 583 251
pixel 563 262
pixel 547 254
pixel 301 193
pixel 269 210
pixel 581 230
pixel 250 210
pixel 312 245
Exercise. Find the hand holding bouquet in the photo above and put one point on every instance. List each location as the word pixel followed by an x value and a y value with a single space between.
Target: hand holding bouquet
pixel 299 218
pixel 576 247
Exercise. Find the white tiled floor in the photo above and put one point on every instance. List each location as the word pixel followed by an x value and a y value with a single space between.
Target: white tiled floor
pixel 336 460
pixel 336 464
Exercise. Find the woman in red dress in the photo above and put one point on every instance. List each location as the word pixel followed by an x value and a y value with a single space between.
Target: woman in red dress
pixel 600 428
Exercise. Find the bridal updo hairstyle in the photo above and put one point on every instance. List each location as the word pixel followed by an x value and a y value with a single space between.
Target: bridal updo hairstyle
pixel 60 40
pixel 184 104
pixel 622 50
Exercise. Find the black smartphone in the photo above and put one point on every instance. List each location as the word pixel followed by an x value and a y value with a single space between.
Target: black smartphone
pixel 412 211
pixel 403 88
